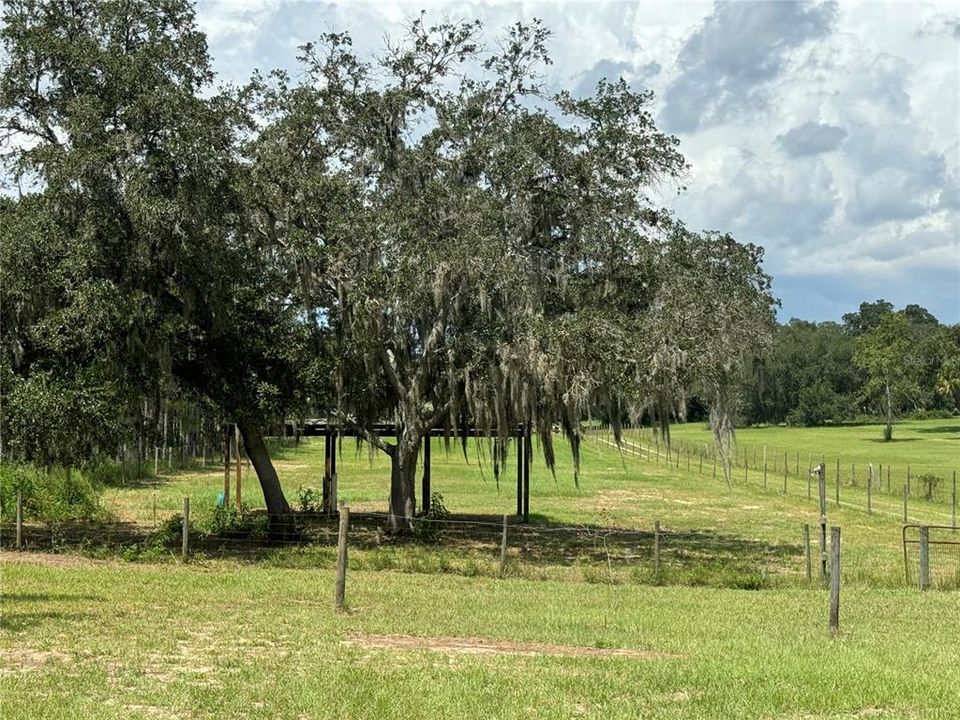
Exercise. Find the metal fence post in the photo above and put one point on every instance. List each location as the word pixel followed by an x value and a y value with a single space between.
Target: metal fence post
pixel 834 579
pixel 19 519
pixel 924 557
pixel 186 528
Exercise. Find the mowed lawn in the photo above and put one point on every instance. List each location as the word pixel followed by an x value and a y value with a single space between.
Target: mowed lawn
pixel 114 640
pixel 923 446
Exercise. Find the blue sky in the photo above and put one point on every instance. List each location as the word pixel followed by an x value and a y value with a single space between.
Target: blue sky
pixel 827 133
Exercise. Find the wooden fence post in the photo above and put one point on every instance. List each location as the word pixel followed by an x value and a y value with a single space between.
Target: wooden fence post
pixel 822 486
pixel 342 556
pixel 185 550
pixel 764 466
pixel 19 519
pixel 656 551
pixel 924 557
pixel 834 580
pixel 806 551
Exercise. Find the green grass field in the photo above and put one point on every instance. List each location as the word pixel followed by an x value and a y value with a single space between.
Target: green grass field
pixel 433 631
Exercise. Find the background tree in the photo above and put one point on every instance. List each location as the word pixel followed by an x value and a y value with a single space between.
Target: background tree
pixel 146 277
pixel 885 354
pixel 493 259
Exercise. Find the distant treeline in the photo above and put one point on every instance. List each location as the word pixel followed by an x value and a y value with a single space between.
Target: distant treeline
pixel 828 372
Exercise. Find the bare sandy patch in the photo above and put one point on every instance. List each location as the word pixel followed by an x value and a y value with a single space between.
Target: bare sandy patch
pixel 482 646
pixel 24 659
pixel 48 559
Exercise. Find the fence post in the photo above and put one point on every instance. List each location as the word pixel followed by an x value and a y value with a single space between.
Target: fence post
pixel 834 580
pixel 924 557
pixel 822 486
pixel 953 505
pixel 185 550
pixel 906 494
pixel 656 551
pixel 342 555
pixel 806 551
pixel 503 548
pixel 837 483
pixel 19 519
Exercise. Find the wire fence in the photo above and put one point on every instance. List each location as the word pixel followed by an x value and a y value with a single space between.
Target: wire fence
pixel 901 493
pixel 479 545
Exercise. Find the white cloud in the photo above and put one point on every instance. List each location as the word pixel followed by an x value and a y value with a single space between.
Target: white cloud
pixel 827 133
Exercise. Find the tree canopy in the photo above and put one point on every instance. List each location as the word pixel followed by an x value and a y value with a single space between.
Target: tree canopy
pixel 426 235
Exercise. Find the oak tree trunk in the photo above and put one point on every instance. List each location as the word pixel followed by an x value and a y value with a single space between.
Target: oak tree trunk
pixel 277 506
pixel 888 433
pixel 403 501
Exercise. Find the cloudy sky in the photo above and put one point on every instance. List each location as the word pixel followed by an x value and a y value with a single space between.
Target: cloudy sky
pixel 828 133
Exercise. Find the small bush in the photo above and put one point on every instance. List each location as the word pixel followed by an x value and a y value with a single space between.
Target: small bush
pixel 54 495
pixel 429 526
pixel 231 522
pixel 310 499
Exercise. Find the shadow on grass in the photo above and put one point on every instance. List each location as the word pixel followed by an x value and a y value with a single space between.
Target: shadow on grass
pixel 459 544
pixel 18 621
pixel 46 597
pixel 940 430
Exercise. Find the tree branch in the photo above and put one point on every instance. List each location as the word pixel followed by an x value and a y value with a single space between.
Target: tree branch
pixel 391 371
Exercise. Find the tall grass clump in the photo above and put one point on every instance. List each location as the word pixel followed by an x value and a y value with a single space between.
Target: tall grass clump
pixel 50 495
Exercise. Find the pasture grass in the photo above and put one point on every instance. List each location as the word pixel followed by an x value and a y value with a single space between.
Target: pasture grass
pixel 616 490
pixel 224 637
pixel 119 640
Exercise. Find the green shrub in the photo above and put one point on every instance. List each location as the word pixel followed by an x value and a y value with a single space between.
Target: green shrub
pixel 230 522
pixel 310 499
pixel 429 526
pixel 54 495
